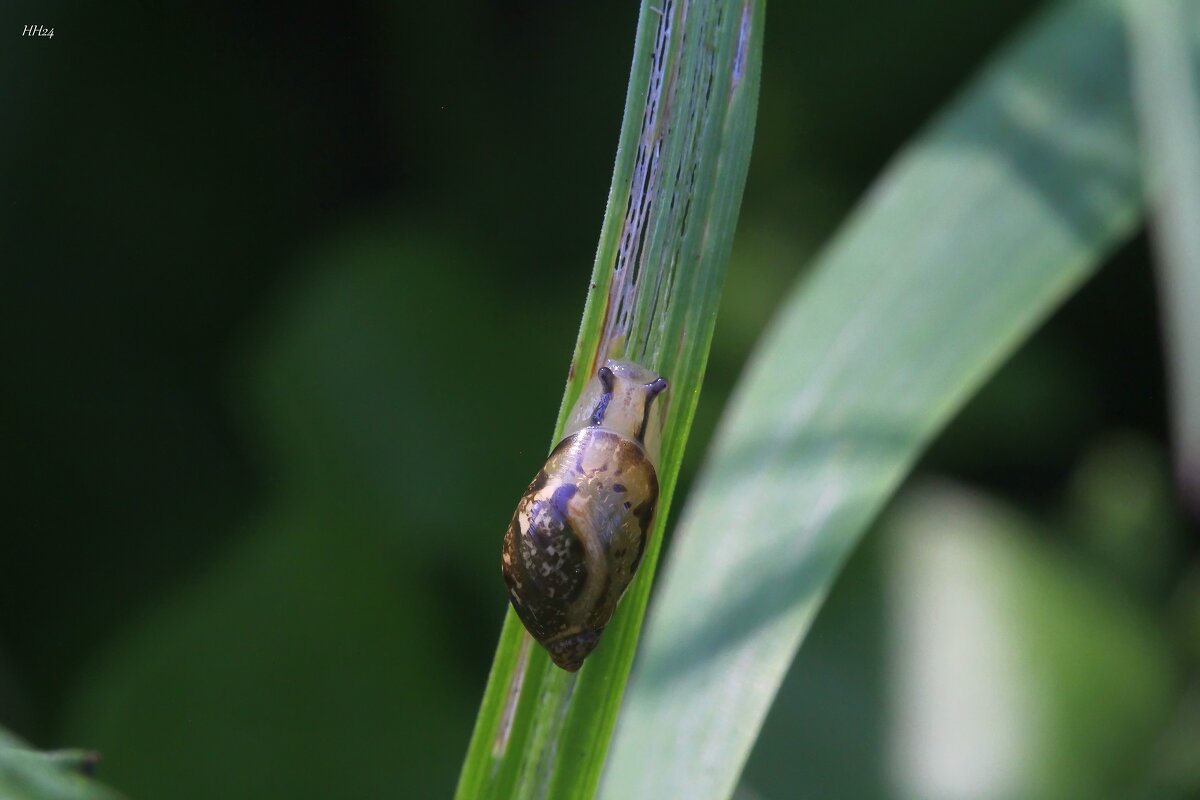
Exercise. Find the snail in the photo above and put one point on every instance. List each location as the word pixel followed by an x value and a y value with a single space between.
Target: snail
pixel 580 529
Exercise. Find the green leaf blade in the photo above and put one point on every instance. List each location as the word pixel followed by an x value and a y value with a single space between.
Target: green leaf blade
pixel 27 774
pixel 668 229
pixel 1166 71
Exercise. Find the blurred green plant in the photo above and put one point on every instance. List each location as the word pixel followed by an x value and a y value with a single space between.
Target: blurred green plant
pixel 294 663
pixel 27 774
pixel 1167 100
pixel 988 659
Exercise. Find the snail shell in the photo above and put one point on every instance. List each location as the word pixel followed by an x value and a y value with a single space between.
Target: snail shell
pixel 579 531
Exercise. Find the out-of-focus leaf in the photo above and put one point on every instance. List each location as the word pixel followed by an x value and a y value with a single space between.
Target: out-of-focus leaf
pixel 827 727
pixel 995 666
pixel 969 240
pixel 927 675
pixel 27 774
pixel 1121 505
pixel 1177 766
pixel 1166 69
pixel 252 683
pixel 1013 672
pixel 296 663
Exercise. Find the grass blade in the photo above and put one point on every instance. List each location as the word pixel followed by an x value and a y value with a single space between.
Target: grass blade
pixel 976 232
pixel 677 187
pixel 35 775
pixel 1167 94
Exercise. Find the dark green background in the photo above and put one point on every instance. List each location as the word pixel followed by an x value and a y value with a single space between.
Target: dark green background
pixel 287 300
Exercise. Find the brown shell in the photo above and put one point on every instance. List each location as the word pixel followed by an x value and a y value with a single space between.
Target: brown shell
pixel 576 539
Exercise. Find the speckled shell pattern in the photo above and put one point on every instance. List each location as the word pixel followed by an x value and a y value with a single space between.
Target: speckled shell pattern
pixel 577 538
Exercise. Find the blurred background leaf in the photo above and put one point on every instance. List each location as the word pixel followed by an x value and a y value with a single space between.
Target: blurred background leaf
pixel 984 659
pixel 1166 71
pixel 32 775
pixel 318 617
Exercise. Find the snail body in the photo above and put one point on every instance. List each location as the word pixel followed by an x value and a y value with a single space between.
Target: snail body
pixel 579 531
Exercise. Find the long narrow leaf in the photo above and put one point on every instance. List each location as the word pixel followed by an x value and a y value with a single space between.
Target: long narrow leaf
pixel 676 190
pixel 1167 91
pixel 27 774
pixel 976 232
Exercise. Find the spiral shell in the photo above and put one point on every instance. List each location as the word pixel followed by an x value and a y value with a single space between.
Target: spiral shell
pixel 580 529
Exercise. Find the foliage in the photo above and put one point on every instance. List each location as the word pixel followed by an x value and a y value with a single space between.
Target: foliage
pixel 289 303
pixel 983 225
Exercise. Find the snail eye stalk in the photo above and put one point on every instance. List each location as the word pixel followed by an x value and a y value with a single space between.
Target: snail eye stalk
pixel 606 380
